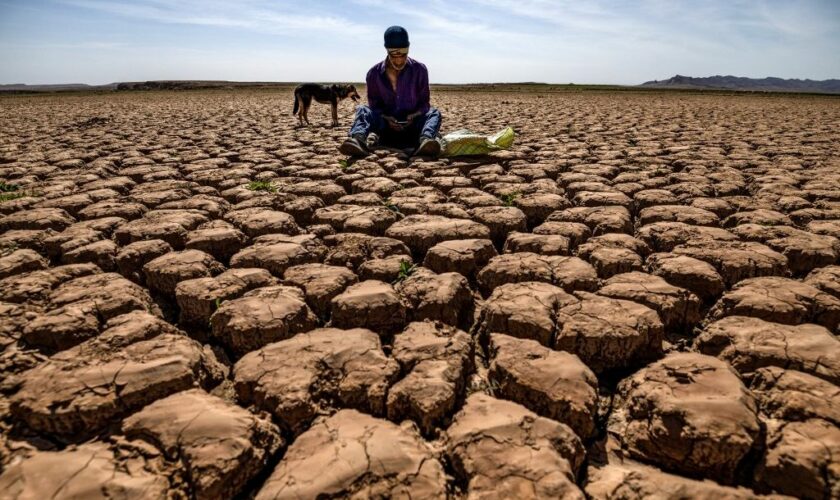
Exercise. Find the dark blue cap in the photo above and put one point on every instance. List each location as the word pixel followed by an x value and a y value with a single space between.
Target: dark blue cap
pixel 396 37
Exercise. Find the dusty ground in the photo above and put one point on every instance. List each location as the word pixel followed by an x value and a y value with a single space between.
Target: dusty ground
pixel 641 298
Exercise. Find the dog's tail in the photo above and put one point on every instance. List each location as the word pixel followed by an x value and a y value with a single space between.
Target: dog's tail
pixel 294 111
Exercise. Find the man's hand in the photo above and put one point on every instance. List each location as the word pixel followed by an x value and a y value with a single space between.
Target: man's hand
pixel 393 124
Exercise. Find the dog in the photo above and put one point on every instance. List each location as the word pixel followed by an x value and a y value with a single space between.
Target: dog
pixel 332 94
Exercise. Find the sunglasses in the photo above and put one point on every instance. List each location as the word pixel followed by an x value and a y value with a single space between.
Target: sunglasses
pixel 398 52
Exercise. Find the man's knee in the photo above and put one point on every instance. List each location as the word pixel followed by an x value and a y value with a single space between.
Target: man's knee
pixel 363 110
pixel 433 112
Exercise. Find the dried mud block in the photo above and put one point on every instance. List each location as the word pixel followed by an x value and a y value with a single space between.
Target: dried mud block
pixel 71 239
pixel 354 455
pixel 33 239
pixel 439 297
pixel 501 449
pixel 634 481
pixel 736 260
pixel 328 191
pixel 276 253
pixel 801 459
pixel 611 261
pixel 320 284
pixel 112 208
pixel 386 269
pixel 541 244
pixel 220 445
pixel 466 257
pixel 37 218
pixel 131 258
pixel 260 317
pixel 538 206
pixel 688 413
pixel 608 333
pixel 601 199
pixel 678 213
pixel 553 384
pixel 422 232
pixel 665 236
pixel 199 298
pixel 576 232
pixel 804 251
pixel 826 279
pixel 751 343
pixel 353 249
pixel 600 220
pixel 84 389
pixel 370 304
pixel 165 272
pixel 824 227
pixel 524 310
pixel 792 395
pixel 436 360
pixel 35 287
pixel 303 208
pixel 697 276
pixel 102 253
pixel 500 220
pixel 570 273
pixel 220 242
pixel 79 307
pixel 613 241
pixel 299 378
pixel 21 261
pixel 779 300
pixel 255 222
pixel 91 470
pixel 373 220
pixel 677 307
pixel 213 206
pixel 760 216
pixel 653 197
pixel 171 226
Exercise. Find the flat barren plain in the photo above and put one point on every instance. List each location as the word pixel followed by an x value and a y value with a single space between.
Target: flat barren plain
pixel 640 298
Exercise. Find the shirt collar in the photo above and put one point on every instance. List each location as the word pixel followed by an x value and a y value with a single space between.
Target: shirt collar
pixel 384 64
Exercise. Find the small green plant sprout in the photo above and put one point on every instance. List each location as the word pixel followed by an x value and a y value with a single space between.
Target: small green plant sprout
pixel 8 249
pixel 262 186
pixel 491 388
pixel 343 163
pixel 406 270
pixel 10 192
pixel 390 206
pixel 11 196
pixel 509 199
pixel 8 188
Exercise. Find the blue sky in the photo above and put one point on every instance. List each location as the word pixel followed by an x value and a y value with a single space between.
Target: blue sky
pixel 597 41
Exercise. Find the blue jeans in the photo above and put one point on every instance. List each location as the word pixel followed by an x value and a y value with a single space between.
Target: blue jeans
pixel 368 120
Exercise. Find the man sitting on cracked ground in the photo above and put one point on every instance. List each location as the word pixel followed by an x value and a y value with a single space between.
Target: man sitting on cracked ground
pixel 398 113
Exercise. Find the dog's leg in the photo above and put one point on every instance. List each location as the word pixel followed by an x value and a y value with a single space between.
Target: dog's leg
pixel 334 106
pixel 299 109
pixel 306 104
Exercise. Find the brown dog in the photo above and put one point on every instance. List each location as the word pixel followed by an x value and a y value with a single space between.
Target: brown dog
pixel 332 94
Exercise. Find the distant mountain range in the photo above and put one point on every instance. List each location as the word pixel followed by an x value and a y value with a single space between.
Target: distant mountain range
pixel 150 85
pixel 729 82
pixel 769 84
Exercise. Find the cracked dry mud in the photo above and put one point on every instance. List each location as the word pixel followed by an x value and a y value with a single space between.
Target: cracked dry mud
pixel 641 298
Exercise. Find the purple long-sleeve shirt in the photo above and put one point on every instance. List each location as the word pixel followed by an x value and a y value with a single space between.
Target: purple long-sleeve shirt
pixel 412 90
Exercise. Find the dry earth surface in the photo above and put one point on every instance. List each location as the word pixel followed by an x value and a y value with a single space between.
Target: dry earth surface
pixel 640 299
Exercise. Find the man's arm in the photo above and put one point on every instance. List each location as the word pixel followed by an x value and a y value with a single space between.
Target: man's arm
pixel 423 97
pixel 375 101
pixel 424 103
